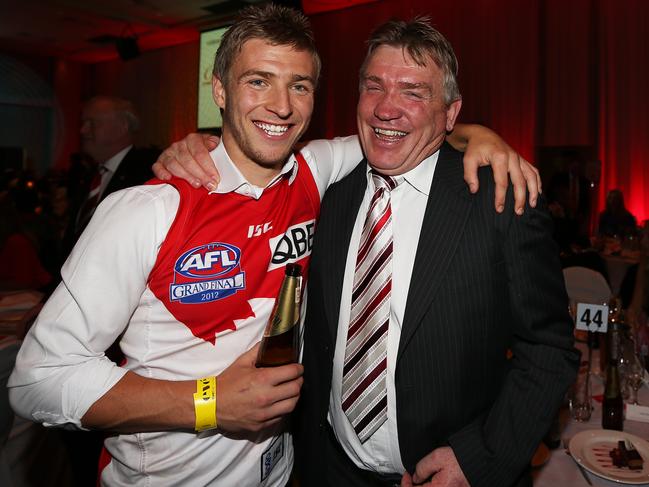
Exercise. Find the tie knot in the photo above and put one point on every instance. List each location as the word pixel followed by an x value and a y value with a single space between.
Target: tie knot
pixel 382 181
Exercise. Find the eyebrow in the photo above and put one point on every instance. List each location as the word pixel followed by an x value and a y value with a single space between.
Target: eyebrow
pixel 414 86
pixel 269 75
pixel 402 84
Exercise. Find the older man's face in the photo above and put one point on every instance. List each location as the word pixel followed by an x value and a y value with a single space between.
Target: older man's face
pixel 402 118
pixel 103 130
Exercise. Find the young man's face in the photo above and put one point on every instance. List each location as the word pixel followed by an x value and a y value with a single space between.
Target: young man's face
pixel 402 118
pixel 267 102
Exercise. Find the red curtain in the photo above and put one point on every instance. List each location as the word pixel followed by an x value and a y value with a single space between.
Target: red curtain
pixel 163 86
pixel 317 6
pixel 496 44
pixel 542 73
pixel 623 29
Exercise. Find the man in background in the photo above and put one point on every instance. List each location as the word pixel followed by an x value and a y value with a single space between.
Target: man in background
pixel 108 128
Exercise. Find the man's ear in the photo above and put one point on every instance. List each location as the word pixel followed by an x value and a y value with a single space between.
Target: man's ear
pixel 452 112
pixel 218 92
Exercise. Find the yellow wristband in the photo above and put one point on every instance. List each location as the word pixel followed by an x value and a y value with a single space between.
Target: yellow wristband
pixel 205 403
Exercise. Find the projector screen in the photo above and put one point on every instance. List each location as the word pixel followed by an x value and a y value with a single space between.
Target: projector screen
pixel 208 113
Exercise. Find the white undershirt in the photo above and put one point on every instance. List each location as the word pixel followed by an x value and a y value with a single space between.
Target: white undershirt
pixel 408 200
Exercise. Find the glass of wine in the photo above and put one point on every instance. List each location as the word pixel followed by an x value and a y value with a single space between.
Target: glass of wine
pixel 631 369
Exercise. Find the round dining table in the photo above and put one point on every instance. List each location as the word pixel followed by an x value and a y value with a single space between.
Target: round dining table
pixel 561 470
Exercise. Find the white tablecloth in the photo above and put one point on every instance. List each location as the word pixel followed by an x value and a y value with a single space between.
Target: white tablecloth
pixel 560 470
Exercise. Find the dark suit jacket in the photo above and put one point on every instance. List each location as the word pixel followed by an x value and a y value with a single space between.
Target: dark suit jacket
pixel 134 169
pixel 482 283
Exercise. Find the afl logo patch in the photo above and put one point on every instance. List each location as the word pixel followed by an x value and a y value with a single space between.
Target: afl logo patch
pixel 207 273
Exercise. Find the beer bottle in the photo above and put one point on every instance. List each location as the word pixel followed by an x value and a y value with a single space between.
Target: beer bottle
pixel 280 343
pixel 613 406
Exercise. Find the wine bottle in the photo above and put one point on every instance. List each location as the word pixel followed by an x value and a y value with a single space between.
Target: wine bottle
pixel 613 405
pixel 279 345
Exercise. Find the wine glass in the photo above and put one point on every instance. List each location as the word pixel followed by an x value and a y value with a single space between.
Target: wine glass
pixel 631 369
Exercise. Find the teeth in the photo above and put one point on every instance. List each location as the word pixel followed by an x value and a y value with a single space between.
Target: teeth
pixel 390 133
pixel 272 129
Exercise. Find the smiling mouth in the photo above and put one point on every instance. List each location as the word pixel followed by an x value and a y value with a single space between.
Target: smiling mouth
pixel 389 135
pixel 271 129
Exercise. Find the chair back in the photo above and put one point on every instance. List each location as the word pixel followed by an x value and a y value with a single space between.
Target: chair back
pixel 586 286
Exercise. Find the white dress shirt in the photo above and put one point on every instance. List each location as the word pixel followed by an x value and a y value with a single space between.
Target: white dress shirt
pixel 408 200
pixel 110 166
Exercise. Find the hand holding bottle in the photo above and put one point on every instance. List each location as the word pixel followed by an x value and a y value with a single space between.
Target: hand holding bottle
pixel 251 399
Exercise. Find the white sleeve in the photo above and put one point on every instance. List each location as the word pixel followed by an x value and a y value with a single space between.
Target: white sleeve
pixel 61 369
pixel 332 160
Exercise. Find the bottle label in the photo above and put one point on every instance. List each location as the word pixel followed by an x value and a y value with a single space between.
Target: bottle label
pixel 298 291
pixel 285 313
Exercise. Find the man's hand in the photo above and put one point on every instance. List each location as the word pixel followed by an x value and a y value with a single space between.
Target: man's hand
pixel 437 469
pixel 483 147
pixel 250 398
pixel 189 159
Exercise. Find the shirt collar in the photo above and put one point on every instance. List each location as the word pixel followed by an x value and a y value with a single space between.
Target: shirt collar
pixel 232 179
pixel 113 163
pixel 419 177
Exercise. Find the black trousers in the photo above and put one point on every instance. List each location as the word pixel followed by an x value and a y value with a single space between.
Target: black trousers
pixel 341 471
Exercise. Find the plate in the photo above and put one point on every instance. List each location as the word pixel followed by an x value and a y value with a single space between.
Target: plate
pixel 591 450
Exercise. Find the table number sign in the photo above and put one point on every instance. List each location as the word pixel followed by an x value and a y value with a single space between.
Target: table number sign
pixel 592 317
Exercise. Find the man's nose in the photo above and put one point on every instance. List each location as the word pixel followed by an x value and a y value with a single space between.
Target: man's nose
pixel 280 103
pixel 387 107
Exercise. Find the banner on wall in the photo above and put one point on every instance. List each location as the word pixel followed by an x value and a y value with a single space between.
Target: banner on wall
pixel 209 116
pixel 317 6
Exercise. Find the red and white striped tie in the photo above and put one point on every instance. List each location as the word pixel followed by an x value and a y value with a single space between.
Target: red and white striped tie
pixel 364 394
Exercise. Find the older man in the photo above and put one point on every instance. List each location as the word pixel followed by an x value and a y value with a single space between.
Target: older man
pixel 108 128
pixel 417 291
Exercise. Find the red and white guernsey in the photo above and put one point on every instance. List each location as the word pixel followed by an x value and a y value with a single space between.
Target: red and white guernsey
pixel 225 250
pixel 186 280
pixel 217 273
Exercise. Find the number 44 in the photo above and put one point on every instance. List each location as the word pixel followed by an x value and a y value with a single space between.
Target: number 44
pixel 592 317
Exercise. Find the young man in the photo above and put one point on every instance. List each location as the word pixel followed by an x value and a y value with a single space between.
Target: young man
pixel 188 280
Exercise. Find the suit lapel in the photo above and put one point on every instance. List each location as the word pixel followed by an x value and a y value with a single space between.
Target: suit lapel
pixel 117 182
pixel 345 200
pixel 449 205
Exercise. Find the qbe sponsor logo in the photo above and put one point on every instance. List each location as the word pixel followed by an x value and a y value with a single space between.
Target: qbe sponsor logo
pixel 293 245
pixel 207 273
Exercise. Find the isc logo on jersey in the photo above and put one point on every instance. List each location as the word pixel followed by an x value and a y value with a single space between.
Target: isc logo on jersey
pixel 294 244
pixel 207 273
